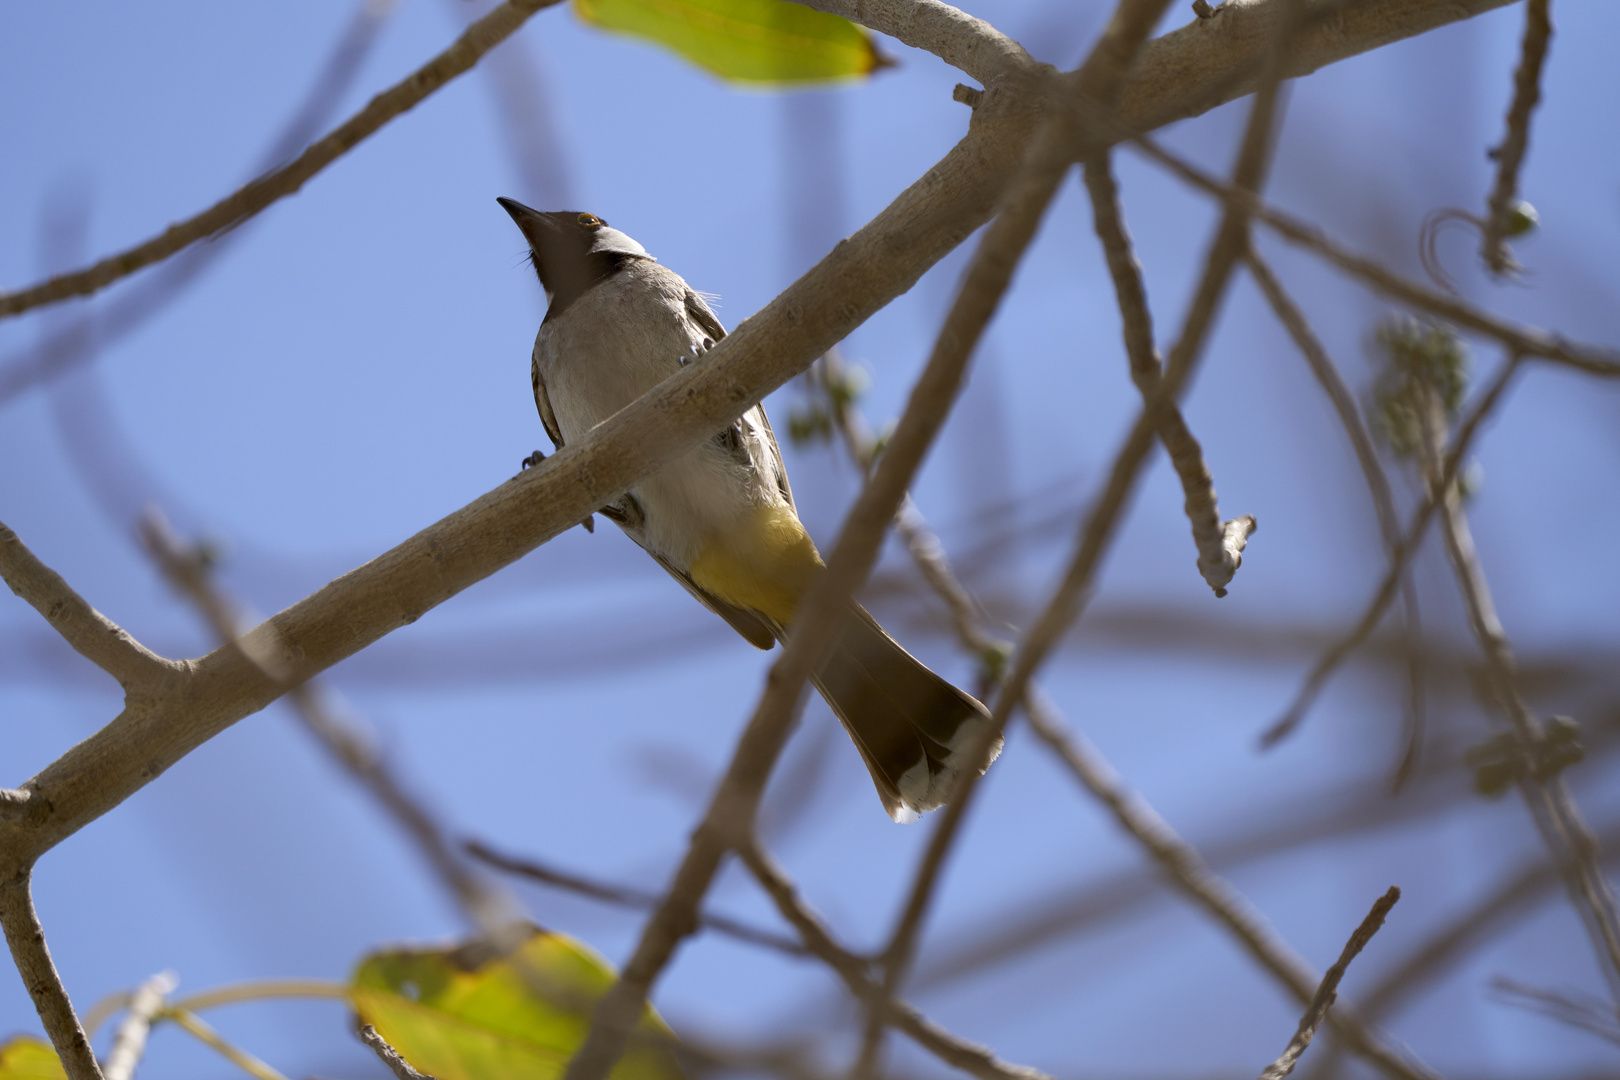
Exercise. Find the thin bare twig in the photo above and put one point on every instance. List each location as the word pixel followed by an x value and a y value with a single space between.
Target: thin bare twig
pixel 91 634
pixel 947 1047
pixel 261 192
pixel 198 1029
pixel 395 1061
pixel 135 307
pixel 129 1042
pixel 1193 876
pixel 1417 526
pixel 1551 806
pixel 1530 341
pixel 1329 989
pixel 1220 546
pixel 1482 922
pixel 1344 405
pixel 26 939
pixel 260 990
pixel 1589 1016
pixel 1231 238
pixel 625 896
pixel 1509 154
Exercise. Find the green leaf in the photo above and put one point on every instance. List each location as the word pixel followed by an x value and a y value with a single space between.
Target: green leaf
pixel 23 1057
pixel 756 41
pixel 468 1013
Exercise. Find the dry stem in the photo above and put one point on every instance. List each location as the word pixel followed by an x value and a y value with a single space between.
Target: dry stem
pixel 1510 154
pixel 1329 989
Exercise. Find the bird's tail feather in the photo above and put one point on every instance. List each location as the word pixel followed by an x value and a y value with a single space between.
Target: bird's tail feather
pixel 919 736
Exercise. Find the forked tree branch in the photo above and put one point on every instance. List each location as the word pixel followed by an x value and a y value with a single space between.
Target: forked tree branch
pixel 1098 527
pixel 91 634
pixel 1063 607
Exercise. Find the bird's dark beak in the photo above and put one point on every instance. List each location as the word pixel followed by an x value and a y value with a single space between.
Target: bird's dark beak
pixel 537 227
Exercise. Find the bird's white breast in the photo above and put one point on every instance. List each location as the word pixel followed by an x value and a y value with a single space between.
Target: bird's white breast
pixel 618 340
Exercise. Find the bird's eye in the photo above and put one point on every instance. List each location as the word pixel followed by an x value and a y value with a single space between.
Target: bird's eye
pixel 590 221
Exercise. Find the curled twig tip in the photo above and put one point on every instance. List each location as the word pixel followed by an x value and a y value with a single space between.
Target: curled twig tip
pixel 1221 565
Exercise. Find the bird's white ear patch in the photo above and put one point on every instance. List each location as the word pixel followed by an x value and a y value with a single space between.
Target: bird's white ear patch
pixel 613 241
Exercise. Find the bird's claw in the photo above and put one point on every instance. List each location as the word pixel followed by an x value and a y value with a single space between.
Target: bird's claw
pixel 697 352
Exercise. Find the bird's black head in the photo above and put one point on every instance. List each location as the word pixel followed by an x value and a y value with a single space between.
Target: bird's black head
pixel 571 251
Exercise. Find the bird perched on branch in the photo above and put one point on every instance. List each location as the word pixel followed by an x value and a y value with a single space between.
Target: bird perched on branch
pixel 720 518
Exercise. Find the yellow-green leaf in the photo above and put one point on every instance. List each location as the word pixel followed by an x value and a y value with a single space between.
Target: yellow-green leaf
pixel 759 41
pixel 468 1014
pixel 23 1057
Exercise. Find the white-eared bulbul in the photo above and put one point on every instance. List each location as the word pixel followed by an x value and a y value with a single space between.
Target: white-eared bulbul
pixel 720 518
